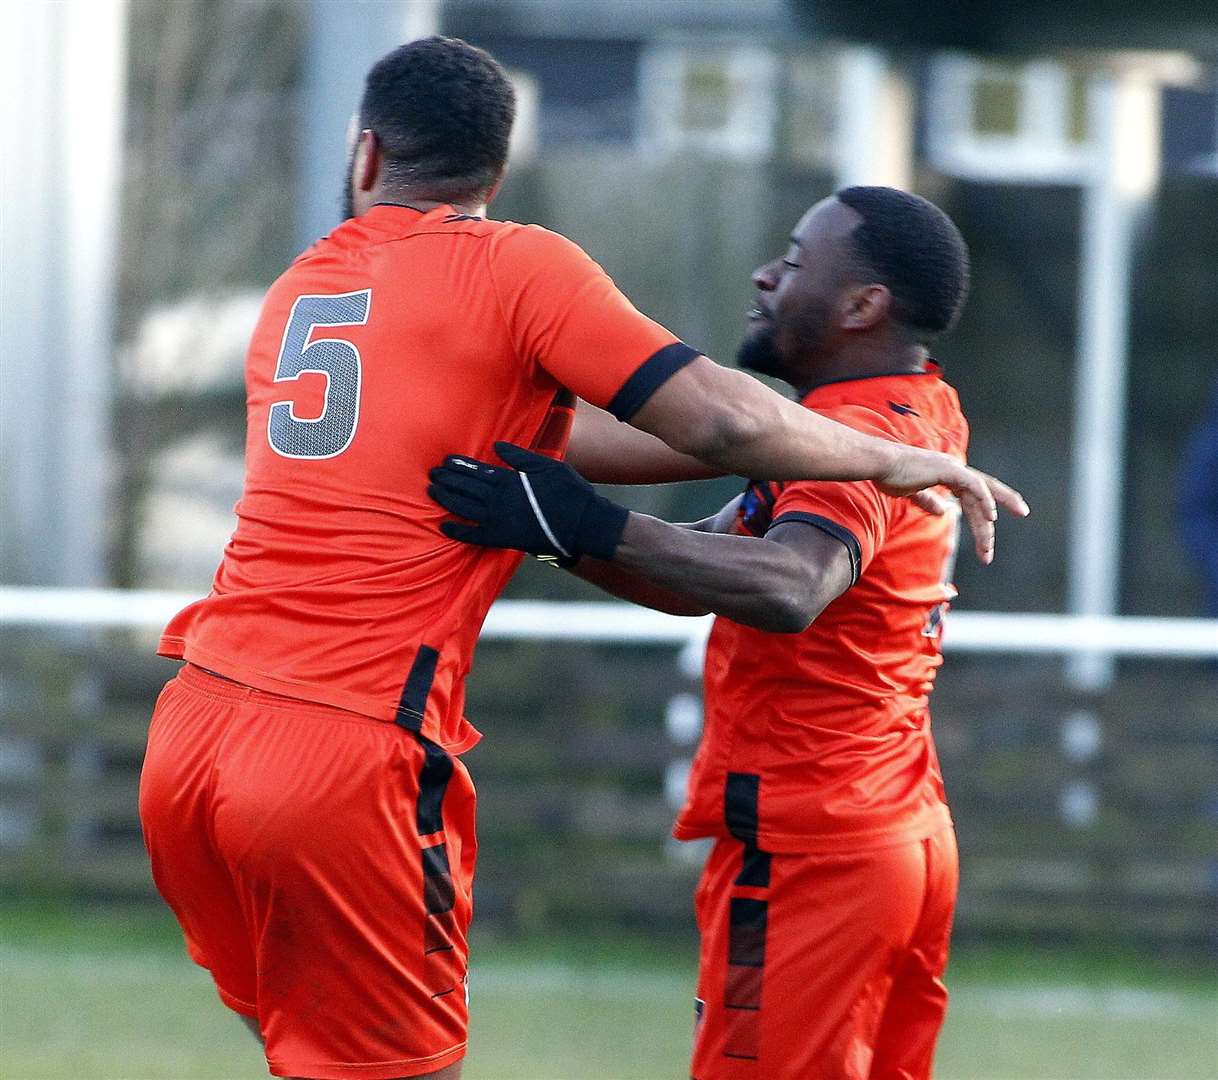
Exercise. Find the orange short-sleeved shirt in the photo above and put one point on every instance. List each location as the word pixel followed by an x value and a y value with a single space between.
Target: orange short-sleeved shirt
pixel 821 740
pixel 399 338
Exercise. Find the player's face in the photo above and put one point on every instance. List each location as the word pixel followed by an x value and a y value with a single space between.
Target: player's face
pixel 793 321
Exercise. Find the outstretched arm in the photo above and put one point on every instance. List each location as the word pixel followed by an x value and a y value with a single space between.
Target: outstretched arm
pixel 562 311
pixel 735 423
pixel 605 451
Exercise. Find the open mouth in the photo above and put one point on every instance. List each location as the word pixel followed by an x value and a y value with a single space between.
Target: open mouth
pixel 757 313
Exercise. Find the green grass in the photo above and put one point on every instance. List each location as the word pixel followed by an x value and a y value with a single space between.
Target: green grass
pixel 107 995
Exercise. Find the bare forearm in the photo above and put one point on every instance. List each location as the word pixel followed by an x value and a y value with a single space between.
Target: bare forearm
pixel 748 579
pixel 625 584
pixel 734 422
pixel 606 451
pixel 781 440
pixel 730 420
pixel 615 579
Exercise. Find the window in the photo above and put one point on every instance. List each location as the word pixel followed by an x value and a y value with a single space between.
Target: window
pixel 713 100
pixel 1015 122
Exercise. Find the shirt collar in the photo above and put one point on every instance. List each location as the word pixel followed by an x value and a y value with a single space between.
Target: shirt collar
pixel 933 368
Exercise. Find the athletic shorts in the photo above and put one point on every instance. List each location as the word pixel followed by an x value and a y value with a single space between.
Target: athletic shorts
pixel 321 865
pixel 823 967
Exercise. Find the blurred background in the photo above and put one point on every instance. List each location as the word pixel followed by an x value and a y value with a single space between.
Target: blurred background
pixel 163 160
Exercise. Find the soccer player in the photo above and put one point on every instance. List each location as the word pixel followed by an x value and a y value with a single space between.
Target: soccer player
pixel 825 906
pixel 304 804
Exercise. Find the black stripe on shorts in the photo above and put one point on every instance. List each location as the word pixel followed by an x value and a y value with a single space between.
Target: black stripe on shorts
pixel 740 797
pixel 747 920
pixel 438 892
pixel 434 776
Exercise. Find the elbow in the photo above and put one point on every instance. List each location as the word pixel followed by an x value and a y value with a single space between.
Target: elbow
pixel 686 608
pixel 788 611
pixel 793 597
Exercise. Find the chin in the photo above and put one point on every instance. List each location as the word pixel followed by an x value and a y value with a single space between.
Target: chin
pixel 758 353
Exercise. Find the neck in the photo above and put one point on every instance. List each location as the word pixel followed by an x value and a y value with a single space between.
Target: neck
pixel 862 360
pixel 424 202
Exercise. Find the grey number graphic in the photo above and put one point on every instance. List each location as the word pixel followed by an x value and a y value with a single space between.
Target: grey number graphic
pixel 331 433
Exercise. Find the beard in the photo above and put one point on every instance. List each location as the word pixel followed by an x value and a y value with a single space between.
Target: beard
pixel 794 354
pixel 759 352
pixel 346 201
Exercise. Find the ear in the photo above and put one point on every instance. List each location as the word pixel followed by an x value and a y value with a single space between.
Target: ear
pixel 367 167
pixel 866 306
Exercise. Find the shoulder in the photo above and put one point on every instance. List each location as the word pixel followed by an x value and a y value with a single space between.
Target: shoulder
pixel 871 418
pixel 931 421
pixel 530 260
pixel 538 246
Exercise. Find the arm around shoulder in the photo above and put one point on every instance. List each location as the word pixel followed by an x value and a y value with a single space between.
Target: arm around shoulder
pixel 779 583
pixel 730 420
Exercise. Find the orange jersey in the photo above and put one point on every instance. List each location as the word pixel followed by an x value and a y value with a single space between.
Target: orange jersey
pixel 821 740
pixel 399 338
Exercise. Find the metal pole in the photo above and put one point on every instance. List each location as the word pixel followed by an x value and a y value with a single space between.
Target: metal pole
pixel 420 19
pixel 1124 120
pixel 27 67
pixel 62 141
pixel 94 88
pixel 873 140
pixel 344 41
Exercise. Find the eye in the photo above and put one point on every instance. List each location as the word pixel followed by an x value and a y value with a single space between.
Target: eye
pixel 790 265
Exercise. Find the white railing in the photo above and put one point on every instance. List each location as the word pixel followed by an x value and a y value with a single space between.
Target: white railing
pixel 540 620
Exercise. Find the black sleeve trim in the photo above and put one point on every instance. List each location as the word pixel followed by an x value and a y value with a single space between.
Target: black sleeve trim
pixel 838 532
pixel 650 375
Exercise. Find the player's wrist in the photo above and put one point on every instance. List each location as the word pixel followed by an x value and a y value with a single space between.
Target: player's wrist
pixel 890 459
pixel 600 528
pixel 560 562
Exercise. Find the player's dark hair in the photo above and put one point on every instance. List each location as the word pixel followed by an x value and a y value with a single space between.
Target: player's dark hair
pixel 913 248
pixel 442 111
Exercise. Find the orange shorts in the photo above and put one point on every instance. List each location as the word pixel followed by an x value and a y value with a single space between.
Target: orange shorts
pixel 321 865
pixel 823 967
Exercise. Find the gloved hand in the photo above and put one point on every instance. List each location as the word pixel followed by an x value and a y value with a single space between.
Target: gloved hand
pixel 539 505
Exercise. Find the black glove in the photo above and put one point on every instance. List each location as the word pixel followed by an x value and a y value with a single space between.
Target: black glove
pixel 539 505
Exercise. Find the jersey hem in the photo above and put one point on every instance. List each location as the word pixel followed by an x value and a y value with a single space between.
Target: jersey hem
pixel 232 1001
pixel 376 1070
pixel 176 648
pixel 243 1008
pixel 927 824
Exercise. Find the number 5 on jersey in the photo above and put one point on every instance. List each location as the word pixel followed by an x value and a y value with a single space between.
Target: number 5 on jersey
pixel 329 434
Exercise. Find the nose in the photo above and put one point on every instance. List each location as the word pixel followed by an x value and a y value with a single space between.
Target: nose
pixel 765 277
